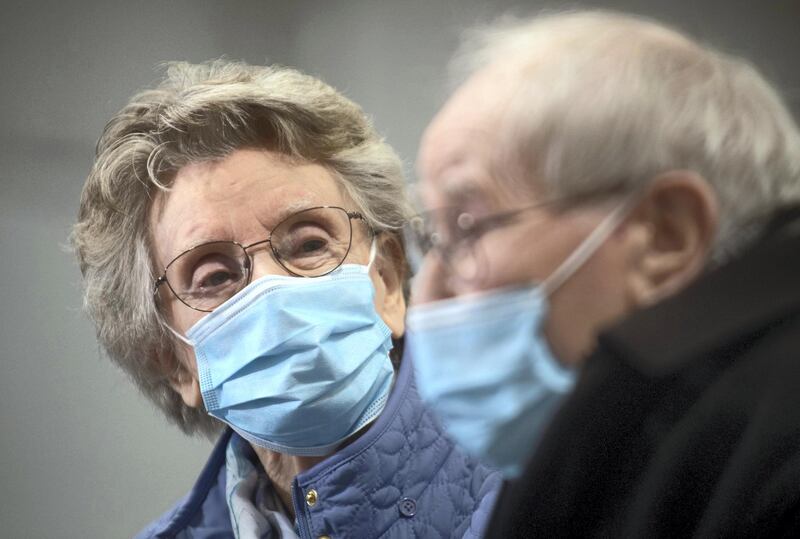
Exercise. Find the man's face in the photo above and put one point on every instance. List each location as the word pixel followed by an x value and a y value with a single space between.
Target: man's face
pixel 462 168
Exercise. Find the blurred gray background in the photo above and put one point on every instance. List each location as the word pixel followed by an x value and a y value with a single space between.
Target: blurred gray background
pixel 82 455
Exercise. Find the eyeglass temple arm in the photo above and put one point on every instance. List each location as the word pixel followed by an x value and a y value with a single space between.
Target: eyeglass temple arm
pixel 360 216
pixel 161 280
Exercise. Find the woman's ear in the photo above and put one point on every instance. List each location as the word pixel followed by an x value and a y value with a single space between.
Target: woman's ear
pixel 389 275
pixel 671 234
pixel 182 378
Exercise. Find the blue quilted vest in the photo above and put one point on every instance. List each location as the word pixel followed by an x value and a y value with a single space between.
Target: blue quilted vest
pixel 402 478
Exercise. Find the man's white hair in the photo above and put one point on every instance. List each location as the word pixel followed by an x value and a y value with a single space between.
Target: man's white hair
pixel 607 101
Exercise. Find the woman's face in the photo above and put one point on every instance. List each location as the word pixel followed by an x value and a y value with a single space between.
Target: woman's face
pixel 242 198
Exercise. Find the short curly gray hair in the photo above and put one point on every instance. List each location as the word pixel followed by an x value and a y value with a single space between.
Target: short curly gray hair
pixel 200 113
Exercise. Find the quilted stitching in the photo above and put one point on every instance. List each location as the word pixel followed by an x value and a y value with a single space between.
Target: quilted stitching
pixel 410 458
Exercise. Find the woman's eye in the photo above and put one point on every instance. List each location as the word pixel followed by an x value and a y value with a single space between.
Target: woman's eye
pixel 312 246
pixel 216 279
pixel 214 274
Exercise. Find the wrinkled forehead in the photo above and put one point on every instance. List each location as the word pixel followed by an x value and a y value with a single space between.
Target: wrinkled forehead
pixel 468 147
pixel 239 198
pixel 249 166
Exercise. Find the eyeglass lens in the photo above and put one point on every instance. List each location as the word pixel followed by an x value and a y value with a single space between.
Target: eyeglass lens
pixel 444 233
pixel 309 243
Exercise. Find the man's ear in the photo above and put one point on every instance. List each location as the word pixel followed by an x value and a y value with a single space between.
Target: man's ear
pixel 670 235
pixel 182 378
pixel 389 276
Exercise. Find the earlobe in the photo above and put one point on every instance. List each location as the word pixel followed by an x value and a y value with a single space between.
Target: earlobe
pixel 671 235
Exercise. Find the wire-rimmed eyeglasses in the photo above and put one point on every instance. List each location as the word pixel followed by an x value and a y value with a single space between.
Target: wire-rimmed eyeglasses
pixel 309 243
pixel 452 234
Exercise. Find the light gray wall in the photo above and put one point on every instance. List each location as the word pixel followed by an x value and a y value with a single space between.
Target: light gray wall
pixel 81 454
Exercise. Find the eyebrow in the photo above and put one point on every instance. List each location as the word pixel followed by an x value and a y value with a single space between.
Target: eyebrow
pixel 180 249
pixel 294 207
pixel 463 191
pixel 275 218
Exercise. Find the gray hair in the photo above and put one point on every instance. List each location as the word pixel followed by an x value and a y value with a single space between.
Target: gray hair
pixel 200 113
pixel 607 101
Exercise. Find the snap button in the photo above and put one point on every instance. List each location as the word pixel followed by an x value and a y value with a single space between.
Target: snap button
pixel 311 498
pixel 408 507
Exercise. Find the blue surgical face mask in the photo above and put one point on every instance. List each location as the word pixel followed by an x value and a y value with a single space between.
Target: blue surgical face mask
pixel 484 366
pixel 296 365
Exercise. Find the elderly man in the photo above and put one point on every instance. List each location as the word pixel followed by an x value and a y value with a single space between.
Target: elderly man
pixel 611 198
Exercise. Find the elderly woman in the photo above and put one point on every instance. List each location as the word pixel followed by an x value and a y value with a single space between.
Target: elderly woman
pixel 238 237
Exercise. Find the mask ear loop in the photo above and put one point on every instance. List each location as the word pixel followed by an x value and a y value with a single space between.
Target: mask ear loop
pixel 180 337
pixel 589 246
pixel 373 252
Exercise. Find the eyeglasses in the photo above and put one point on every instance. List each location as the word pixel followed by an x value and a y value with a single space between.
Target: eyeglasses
pixel 453 235
pixel 310 243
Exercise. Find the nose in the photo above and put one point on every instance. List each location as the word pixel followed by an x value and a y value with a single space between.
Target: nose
pixel 264 263
pixel 433 282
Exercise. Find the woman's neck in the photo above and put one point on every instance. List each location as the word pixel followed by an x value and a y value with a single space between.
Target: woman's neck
pixel 282 469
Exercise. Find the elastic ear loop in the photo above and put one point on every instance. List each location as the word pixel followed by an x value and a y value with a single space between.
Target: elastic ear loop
pixel 373 252
pixel 173 331
pixel 589 246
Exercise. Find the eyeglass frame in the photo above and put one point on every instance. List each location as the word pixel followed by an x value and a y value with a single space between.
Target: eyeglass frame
pixel 473 232
pixel 479 226
pixel 350 216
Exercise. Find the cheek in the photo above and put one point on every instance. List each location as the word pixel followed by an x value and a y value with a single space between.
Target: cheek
pixel 505 262
pixel 588 302
pixel 185 355
pixel 530 254
pixel 181 318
